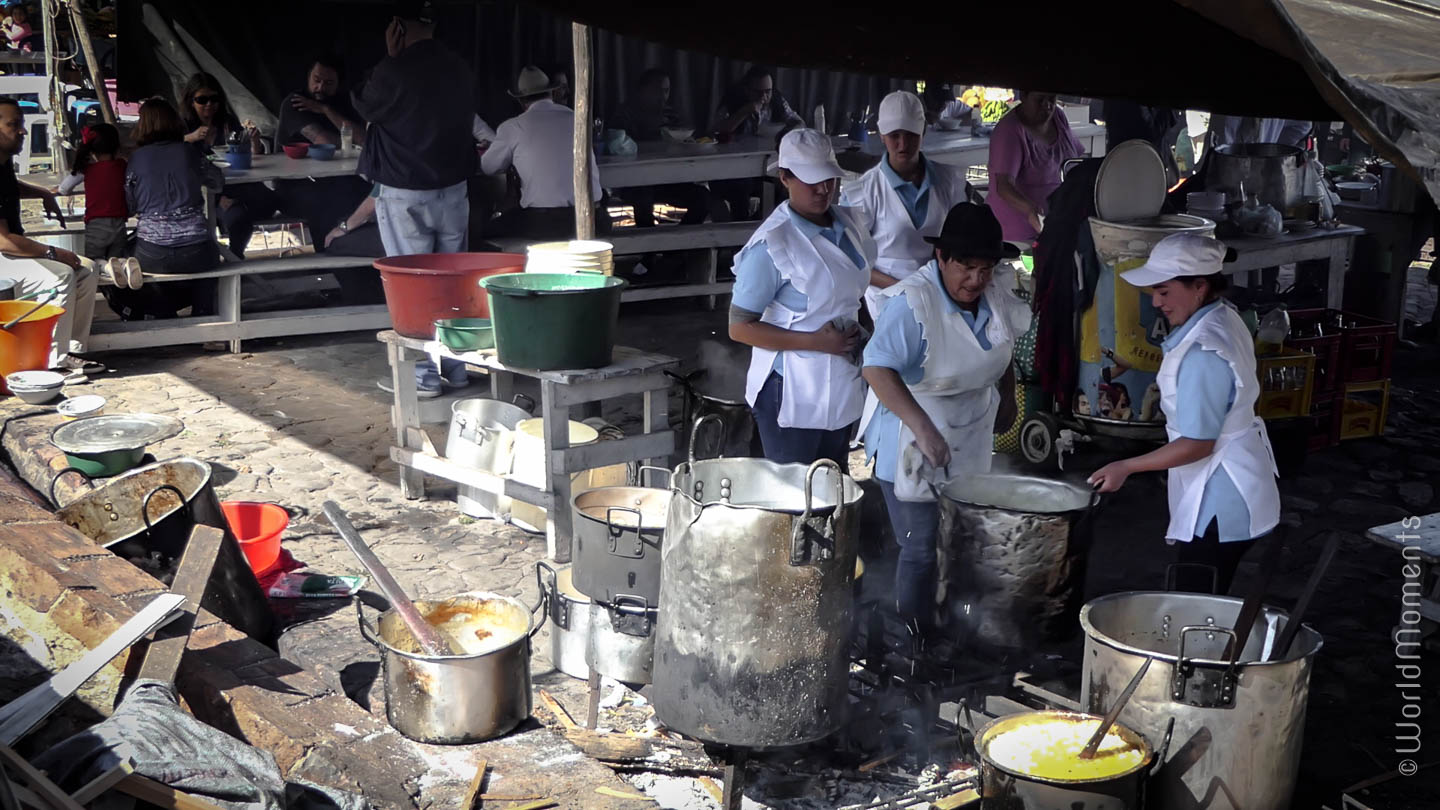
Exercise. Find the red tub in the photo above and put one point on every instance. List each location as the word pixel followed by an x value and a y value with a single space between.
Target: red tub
pixel 423 288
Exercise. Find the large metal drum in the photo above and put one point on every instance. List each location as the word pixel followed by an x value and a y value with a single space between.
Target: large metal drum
pixel 1011 553
pixel 1275 172
pixel 756 584
pixel 1238 732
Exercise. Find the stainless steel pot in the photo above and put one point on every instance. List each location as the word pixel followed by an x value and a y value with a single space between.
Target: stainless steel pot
pixel 756 584
pixel 618 537
pixel 1273 171
pixel 1007 788
pixel 622 638
pixel 1238 731
pixel 1011 552
pixel 453 699
pixel 482 436
pixel 570 614
pixel 146 515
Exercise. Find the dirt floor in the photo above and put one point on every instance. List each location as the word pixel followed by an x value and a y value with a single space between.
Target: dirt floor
pixel 310 423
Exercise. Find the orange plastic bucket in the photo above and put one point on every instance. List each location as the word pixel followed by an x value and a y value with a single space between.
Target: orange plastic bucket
pixel 258 527
pixel 26 345
pixel 427 287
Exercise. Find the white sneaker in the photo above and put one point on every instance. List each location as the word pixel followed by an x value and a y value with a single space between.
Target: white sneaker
pixel 133 277
pixel 116 269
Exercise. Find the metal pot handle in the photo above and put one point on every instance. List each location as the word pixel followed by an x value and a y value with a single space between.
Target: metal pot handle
pixel 530 409
pixel 615 531
pixel 367 630
pixel 56 480
pixel 798 542
pixel 640 473
pixel 695 431
pixel 1164 750
pixel 557 606
pixel 145 507
pixel 1173 567
pixel 1215 690
pixel 630 615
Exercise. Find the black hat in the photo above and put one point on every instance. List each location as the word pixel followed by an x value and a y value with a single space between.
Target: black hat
pixel 418 10
pixel 973 230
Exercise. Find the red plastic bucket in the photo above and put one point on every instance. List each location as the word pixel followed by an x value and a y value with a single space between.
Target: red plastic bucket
pixel 258 527
pixel 26 345
pixel 426 287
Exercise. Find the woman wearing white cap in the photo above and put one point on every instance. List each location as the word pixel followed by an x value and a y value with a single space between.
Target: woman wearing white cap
pixel 1222 488
pixel 798 283
pixel 904 198
pixel 943 341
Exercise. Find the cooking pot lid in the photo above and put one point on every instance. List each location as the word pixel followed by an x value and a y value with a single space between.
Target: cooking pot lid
pixel 110 432
pixel 1131 183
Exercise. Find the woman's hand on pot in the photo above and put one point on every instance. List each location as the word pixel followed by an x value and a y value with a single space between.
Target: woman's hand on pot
pixel 831 340
pixel 1110 477
pixel 933 446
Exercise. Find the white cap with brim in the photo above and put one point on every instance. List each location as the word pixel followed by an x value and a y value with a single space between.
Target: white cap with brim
pixel 901 110
pixel 808 155
pixel 1177 255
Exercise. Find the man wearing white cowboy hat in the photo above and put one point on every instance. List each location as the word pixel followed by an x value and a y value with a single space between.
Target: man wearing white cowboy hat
pixel 798 284
pixel 1222 490
pixel 539 143
pixel 904 198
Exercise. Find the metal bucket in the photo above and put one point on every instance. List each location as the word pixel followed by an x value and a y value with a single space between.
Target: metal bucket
pixel 1275 172
pixel 756 580
pixel 622 638
pixel 482 436
pixel 1238 732
pixel 569 612
pixel 146 515
pixel 454 699
pixel 1122 328
pixel 1011 554
pixel 1006 788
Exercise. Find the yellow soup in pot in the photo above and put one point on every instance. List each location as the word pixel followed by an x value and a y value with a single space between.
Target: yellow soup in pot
pixel 1049 748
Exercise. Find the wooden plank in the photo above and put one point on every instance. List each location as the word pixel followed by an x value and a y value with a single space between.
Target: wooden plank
pixel 561 715
pixel 92 789
pixel 626 361
pixel 618 451
pixel 162 795
pixel 120 335
pixel 653 753
pixel 600 390
pixel 460 474
pixel 256 267
pixel 37 782
pixel 192 579
pixel 583 143
pixel 668 291
pixel 475 783
pixel 663 238
pixel 686 168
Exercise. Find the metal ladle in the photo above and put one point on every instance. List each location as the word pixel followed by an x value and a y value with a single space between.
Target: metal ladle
pixel 430 641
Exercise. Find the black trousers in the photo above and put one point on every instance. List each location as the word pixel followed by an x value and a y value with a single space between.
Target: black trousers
pixel 1208 550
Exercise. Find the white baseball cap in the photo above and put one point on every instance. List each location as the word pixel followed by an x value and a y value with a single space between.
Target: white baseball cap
pixel 901 110
pixel 808 155
pixel 1180 254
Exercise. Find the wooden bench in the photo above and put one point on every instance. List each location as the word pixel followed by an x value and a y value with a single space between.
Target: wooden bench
pixel 702 280
pixel 231 324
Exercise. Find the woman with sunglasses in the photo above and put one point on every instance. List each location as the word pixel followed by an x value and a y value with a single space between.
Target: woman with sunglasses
pixel 210 122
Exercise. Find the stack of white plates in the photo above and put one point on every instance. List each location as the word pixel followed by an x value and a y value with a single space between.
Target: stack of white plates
pixel 575 256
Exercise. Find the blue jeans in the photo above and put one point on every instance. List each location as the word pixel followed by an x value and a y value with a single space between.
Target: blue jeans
pixel 425 221
pixel 795 445
pixel 916 524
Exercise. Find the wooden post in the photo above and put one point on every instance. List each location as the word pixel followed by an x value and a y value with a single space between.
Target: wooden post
pixel 584 206
pixel 83 34
pixel 58 164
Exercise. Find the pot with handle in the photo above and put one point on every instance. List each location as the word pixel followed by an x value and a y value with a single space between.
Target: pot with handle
pixel 482 436
pixel 1030 761
pixel 569 612
pixel 622 638
pixel 619 532
pixel 463 698
pixel 756 583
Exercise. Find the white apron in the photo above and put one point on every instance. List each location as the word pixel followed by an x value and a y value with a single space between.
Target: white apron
pixel 1242 449
pixel 958 390
pixel 822 391
pixel 901 247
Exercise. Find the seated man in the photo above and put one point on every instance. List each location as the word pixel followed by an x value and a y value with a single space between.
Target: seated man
pixel 644 116
pixel 750 108
pixel 539 144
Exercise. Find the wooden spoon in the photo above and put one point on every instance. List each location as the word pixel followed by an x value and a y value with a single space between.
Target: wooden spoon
pixel 1095 739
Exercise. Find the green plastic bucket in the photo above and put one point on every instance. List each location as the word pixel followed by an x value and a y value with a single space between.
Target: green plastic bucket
pixel 554 320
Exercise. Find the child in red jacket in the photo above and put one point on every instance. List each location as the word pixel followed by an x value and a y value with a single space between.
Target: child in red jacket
pixel 100 168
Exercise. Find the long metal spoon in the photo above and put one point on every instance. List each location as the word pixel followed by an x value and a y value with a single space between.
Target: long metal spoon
pixel 1095 739
pixel 431 642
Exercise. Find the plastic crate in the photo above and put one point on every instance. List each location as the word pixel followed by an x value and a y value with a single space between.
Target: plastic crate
pixel 1325 432
pixel 1367 345
pixel 1327 360
pixel 1287 384
pixel 1363 409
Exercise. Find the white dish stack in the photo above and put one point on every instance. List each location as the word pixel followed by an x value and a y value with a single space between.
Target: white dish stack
pixel 574 256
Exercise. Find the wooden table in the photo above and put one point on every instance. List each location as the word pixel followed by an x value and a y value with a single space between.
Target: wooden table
pixel 1418 541
pixel 659 163
pixel 633 372
pixel 960 148
pixel 1334 245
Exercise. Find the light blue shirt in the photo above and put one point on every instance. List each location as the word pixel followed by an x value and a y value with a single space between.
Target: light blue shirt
pixel 916 200
pixel 899 344
pixel 757 279
pixel 1205 391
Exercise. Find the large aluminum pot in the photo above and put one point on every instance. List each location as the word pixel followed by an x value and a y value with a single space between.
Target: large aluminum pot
pixel 482 436
pixel 146 515
pixel 622 638
pixel 569 612
pixel 756 579
pixel 1011 555
pixel 453 699
pixel 1006 787
pixel 1273 171
pixel 618 536
pixel 1238 732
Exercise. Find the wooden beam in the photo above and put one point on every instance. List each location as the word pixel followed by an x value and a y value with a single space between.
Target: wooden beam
pixel 82 33
pixel 56 103
pixel 584 142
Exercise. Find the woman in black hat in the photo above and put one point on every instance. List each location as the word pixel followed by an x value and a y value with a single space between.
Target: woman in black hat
pixel 944 339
